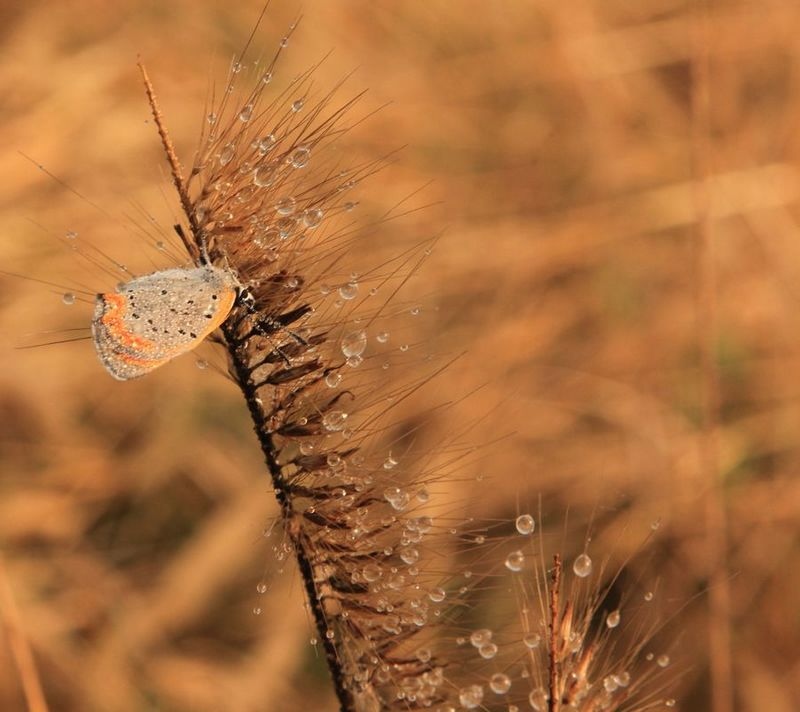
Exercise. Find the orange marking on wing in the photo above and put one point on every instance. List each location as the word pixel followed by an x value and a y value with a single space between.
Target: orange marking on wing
pixel 112 319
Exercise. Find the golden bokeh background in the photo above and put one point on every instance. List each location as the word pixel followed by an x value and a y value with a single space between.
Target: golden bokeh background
pixel 559 146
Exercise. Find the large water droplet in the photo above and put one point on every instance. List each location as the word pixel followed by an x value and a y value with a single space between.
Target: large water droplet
pixel 226 154
pixel 480 637
pixel 285 206
pixel 246 113
pixel 613 619
pixel 488 651
pixel 500 683
pixel 354 343
pixel 264 176
pixel 532 640
pixel 68 298
pixel 348 291
pixel 471 696
pixel 334 420
pixel 515 561
pixel 333 379
pixel 300 157
pixel 313 217
pixel 525 524
pixel 538 700
pixel 662 661
pixel 582 566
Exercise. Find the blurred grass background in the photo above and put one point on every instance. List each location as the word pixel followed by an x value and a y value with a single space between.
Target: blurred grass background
pixel 558 138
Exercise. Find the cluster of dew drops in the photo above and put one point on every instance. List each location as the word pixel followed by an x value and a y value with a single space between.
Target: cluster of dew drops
pixel 473 696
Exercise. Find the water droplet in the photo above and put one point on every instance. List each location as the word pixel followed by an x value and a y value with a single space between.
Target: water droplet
pixel 264 176
pixel 266 77
pixel 298 104
pixel 610 683
pixel 409 555
pixel 348 291
pixel 424 655
pixel 488 651
pixel 480 637
pixel 285 206
pixel 349 206
pixel 333 379
pixel 525 524
pixel 354 343
pixel 261 588
pixel 538 700
pixel 71 235
pixel 68 298
pixel 286 226
pixel 284 42
pixel 226 154
pixel 662 661
pixel 201 363
pixel 256 611
pixel 383 337
pixel 515 561
pixel 334 420
pixel 330 634
pixel 471 696
pixel 582 566
pixel 500 683
pixel 669 702
pixel 532 640
pixel 389 463
pixel 300 157
pixel 437 595
pixel 334 459
pixel 404 348
pixel 648 596
pixel 236 67
pixel 313 217
pixel 623 679
pixel 246 113
pixel 613 619
pixel 211 118
pixel 397 497
pixel 414 311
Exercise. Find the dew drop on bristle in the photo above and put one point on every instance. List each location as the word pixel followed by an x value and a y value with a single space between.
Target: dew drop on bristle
pixel 285 206
pixel 532 640
pixel 71 235
pixel 202 364
pixel 525 524
pixel 471 696
pixel 333 379
pixel 480 637
pixel 582 566
pixel 613 619
pixel 354 343
pixel 266 78
pixel 263 176
pixel 266 144
pixel 312 217
pixel 538 700
pixel 348 291
pixel 515 561
pixel 246 113
pixel 488 651
pixel 662 661
pixel 300 157
pixel 335 420
pixel 284 42
pixel 68 298
pixel 226 154
pixel 648 596
pixel 383 337
pixel 298 104
pixel 500 683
